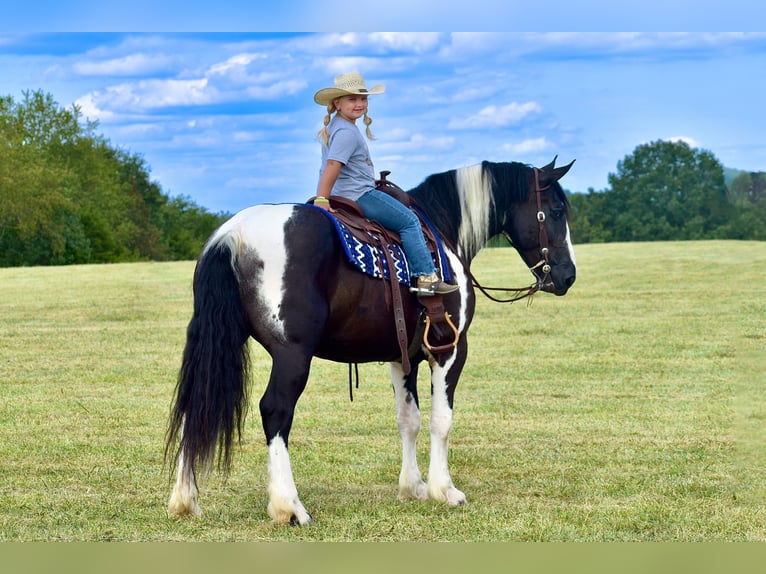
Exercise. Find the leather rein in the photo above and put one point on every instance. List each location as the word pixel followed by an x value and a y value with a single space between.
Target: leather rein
pixel 543 264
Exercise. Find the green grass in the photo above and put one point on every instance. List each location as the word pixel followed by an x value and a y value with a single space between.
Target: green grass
pixel 631 409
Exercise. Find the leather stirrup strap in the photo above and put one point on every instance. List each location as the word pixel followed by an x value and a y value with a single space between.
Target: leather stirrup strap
pixel 399 321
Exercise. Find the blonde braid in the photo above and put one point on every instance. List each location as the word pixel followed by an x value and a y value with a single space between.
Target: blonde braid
pixel 367 122
pixel 323 135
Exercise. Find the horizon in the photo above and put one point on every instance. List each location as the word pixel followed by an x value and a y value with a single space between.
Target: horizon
pixel 228 119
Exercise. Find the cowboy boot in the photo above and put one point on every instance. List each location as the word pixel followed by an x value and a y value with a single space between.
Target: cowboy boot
pixel 433 285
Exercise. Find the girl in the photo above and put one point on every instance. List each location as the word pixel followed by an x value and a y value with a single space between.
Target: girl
pixel 347 171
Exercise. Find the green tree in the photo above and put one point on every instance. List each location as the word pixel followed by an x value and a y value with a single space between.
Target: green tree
pixel 68 196
pixel 747 194
pixel 667 190
pixel 590 221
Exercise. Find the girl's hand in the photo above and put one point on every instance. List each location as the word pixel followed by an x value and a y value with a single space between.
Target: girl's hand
pixel 323 204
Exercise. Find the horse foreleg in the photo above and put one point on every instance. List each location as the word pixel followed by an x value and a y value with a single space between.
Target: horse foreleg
pixel 411 483
pixel 184 498
pixel 440 486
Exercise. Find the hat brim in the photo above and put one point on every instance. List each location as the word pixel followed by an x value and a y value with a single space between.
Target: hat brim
pixel 326 95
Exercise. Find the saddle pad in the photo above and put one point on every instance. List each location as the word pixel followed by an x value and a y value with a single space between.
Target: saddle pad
pixel 371 259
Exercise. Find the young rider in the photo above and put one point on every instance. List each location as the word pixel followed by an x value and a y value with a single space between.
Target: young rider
pixel 348 172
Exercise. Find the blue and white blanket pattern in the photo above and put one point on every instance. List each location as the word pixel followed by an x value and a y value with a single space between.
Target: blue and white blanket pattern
pixel 372 260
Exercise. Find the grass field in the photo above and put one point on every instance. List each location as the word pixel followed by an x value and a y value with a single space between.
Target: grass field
pixel 631 409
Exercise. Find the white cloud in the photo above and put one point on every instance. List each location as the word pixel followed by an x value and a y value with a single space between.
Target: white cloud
pixel 527 146
pixel 131 65
pixel 417 42
pixel 236 63
pixel 691 142
pixel 90 108
pixel 494 116
pixel 242 77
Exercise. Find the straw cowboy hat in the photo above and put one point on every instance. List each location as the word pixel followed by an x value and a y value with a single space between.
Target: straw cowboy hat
pixel 345 85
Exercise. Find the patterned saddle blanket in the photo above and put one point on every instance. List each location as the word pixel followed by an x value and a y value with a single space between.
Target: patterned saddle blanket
pixel 370 259
pixel 364 241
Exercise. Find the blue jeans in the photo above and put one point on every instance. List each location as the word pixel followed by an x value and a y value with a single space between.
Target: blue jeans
pixel 394 215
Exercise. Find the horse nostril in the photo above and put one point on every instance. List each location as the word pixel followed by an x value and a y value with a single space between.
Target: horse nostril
pixel 570 280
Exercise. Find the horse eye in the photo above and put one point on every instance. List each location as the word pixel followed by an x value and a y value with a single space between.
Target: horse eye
pixel 558 212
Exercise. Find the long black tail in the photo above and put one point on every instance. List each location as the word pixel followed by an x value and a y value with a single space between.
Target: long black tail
pixel 211 396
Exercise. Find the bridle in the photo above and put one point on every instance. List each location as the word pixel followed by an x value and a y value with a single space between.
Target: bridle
pixel 543 264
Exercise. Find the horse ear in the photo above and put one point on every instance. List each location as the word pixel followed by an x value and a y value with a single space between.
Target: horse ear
pixel 549 174
pixel 551 165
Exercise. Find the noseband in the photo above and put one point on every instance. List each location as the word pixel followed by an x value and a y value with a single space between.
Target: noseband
pixel 543 264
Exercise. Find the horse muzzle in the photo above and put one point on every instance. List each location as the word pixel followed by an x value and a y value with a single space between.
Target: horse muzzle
pixel 559 279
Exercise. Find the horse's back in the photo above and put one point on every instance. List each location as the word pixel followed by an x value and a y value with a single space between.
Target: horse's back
pixel 297 286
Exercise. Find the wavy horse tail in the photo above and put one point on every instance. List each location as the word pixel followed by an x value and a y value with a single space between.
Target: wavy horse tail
pixel 211 396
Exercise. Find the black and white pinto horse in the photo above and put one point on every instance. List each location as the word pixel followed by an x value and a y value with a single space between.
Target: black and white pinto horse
pixel 277 273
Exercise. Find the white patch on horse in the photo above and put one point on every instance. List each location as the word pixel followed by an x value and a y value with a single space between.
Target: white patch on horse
pixel 461 278
pixel 184 498
pixel 440 485
pixel 260 229
pixel 476 203
pixel 284 503
pixel 408 420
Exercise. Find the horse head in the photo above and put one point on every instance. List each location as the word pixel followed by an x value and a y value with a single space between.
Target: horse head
pixel 539 229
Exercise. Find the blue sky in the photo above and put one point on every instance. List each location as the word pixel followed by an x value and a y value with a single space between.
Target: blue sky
pixel 229 120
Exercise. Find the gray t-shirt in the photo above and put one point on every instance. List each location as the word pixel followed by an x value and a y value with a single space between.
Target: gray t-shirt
pixel 347 145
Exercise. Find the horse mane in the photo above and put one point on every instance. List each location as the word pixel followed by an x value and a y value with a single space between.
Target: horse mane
pixel 464 203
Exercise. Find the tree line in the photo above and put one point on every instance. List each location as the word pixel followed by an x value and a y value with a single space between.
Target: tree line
pixel 68 196
pixel 670 191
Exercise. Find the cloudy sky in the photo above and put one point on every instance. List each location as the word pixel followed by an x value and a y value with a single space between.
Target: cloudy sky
pixel 228 119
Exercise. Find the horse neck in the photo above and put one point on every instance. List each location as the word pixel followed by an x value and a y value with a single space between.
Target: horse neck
pixel 462 205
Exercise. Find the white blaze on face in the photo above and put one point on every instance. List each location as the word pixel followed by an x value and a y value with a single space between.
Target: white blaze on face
pixel 570 247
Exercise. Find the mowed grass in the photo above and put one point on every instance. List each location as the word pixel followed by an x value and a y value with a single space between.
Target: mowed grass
pixel 630 409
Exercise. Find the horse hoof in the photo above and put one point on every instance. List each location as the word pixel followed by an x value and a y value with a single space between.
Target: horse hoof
pixel 179 508
pixel 307 521
pixel 417 491
pixel 455 497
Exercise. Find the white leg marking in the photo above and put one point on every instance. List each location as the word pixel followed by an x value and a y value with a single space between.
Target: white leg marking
pixel 440 486
pixel 284 503
pixel 184 498
pixel 411 483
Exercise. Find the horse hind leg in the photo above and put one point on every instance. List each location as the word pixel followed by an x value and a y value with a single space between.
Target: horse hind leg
pixel 411 483
pixel 184 498
pixel 284 505
pixel 289 375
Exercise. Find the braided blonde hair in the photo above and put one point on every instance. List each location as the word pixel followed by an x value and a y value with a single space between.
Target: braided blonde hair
pixel 324 136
